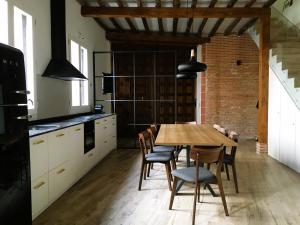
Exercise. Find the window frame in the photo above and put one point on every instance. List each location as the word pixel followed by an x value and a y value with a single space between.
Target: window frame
pixel 12 41
pixel 81 107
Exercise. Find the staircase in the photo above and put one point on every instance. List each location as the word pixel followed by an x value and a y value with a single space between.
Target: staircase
pixel 285 53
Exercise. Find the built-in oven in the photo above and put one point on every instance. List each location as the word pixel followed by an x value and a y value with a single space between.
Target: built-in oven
pixel 89 136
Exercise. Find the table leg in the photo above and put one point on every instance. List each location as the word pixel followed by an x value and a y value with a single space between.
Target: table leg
pixel 188 159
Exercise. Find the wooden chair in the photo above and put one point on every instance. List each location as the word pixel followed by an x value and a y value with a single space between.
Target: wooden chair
pixel 160 148
pixel 180 147
pixel 200 175
pixel 229 159
pixel 150 158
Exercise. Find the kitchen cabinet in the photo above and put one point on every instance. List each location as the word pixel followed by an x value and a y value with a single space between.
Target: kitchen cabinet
pixel 58 160
pixel 59 147
pixel 59 181
pixel 39 156
pixel 39 193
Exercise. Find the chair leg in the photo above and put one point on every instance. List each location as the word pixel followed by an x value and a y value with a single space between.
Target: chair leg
pixel 145 171
pixel 222 195
pixel 199 192
pixel 195 201
pixel 173 162
pixel 148 172
pixel 235 177
pixel 141 176
pixel 227 171
pixel 152 165
pixel 168 171
pixel 208 166
pixel 173 193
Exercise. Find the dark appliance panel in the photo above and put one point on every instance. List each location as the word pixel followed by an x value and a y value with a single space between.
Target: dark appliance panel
pixel 12 76
pixel 89 136
pixel 15 185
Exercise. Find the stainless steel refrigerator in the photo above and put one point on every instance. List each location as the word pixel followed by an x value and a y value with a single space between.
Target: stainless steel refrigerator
pixel 15 185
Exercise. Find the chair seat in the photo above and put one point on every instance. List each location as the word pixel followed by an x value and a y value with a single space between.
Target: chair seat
pixel 161 148
pixel 158 157
pixel 189 174
pixel 227 159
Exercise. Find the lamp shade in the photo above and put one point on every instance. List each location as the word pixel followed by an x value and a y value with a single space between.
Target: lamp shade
pixel 192 66
pixel 186 75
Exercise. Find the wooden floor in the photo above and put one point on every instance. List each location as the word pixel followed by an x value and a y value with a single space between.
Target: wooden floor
pixel 269 194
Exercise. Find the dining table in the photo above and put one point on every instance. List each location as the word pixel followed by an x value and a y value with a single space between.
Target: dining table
pixel 191 135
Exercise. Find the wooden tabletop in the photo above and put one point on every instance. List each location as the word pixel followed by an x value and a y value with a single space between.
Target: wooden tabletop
pixel 190 134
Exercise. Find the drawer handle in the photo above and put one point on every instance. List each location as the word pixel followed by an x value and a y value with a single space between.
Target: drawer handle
pixel 78 129
pixel 113 136
pixel 38 142
pixel 61 171
pixel 90 155
pixel 39 185
pixel 105 127
pixel 105 120
pixel 105 141
pixel 97 123
pixel 60 135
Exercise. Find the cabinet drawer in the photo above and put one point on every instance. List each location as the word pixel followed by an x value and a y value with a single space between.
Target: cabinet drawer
pixel 59 181
pixel 39 195
pixel 39 156
pixel 59 147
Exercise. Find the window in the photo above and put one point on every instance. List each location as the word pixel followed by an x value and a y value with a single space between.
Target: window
pixel 79 59
pixel 24 41
pixel 3 22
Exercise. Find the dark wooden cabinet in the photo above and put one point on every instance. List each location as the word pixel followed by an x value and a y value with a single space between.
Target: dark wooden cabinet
pixel 147 91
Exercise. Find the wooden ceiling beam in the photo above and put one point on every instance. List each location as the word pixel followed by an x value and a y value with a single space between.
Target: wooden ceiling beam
pixel 204 21
pixel 231 26
pixel 159 19
pixel 167 12
pixel 128 20
pixel 156 38
pixel 220 20
pixel 176 4
pixel 144 20
pixel 191 20
pixel 251 22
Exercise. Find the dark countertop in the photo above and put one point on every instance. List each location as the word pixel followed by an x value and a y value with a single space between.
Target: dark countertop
pixel 39 129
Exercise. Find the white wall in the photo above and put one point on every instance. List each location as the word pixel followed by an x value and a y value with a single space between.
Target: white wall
pixel 54 96
pixel 284 125
pixel 292 13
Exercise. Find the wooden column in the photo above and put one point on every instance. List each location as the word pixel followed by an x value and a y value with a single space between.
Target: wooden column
pixel 264 46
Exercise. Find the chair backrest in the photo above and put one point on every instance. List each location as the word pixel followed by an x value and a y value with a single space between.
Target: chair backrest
pixel 143 139
pixel 189 122
pixel 151 139
pixel 208 154
pixel 154 130
pixel 235 137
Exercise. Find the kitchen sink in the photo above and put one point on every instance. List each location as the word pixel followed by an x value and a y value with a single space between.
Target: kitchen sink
pixel 45 127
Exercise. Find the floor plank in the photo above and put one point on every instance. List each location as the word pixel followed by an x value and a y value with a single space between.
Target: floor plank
pixel 269 194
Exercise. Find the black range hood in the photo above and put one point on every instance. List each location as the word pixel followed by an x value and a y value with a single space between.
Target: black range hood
pixel 59 67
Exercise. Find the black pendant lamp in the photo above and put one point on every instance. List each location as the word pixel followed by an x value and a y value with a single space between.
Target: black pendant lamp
pixel 189 69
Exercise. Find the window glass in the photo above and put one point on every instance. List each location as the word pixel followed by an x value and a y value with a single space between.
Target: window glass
pixel 3 22
pixel 84 71
pixel 75 84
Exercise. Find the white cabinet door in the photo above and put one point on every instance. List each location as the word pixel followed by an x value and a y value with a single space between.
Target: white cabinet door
pixel 274 116
pixel 287 138
pixel 39 156
pixel 90 160
pixel 39 195
pixel 77 152
pixel 59 181
pixel 298 141
pixel 59 147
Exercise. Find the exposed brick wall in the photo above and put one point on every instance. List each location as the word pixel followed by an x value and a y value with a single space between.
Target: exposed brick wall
pixel 231 91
